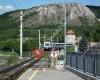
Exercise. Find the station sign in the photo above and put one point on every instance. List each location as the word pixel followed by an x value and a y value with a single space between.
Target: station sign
pixel 37 53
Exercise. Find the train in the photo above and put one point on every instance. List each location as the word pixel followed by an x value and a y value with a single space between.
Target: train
pixel 47 46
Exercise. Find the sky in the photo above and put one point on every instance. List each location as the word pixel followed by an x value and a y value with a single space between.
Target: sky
pixel 8 5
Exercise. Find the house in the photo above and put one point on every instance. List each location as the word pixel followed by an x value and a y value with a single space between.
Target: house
pixel 70 37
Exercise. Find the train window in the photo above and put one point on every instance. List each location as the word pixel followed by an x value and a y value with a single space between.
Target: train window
pixel 47 44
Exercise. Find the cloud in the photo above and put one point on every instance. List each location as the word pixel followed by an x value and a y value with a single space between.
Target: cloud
pixel 6 8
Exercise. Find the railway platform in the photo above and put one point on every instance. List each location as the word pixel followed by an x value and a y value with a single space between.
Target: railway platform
pixel 40 71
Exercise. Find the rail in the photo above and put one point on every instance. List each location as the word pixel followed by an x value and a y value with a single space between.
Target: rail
pixel 11 67
pixel 13 71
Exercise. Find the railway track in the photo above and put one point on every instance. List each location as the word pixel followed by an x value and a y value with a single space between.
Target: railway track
pixel 8 68
pixel 13 71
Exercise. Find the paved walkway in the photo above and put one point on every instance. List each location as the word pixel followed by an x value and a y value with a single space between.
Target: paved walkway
pixel 49 74
pixel 40 71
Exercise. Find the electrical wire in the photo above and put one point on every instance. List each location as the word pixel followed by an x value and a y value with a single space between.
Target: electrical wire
pixel 13 3
pixel 3 10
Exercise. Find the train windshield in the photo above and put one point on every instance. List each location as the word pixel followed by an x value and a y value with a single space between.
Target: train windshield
pixel 47 44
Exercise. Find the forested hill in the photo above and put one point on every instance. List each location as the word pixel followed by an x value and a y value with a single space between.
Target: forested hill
pixel 77 14
pixel 10 24
pixel 96 10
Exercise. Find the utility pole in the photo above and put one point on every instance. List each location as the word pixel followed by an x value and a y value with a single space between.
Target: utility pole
pixel 65 34
pixel 39 38
pixel 21 35
pixel 51 39
pixel 57 39
pixel 44 37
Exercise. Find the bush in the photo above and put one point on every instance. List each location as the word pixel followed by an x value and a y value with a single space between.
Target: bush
pixel 30 45
pixel 11 45
pixel 70 49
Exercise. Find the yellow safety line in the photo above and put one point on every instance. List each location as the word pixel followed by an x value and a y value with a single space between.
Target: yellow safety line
pixel 33 75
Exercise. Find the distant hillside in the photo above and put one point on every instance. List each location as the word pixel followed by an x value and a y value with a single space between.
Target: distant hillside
pixel 81 19
pixel 96 10
pixel 51 14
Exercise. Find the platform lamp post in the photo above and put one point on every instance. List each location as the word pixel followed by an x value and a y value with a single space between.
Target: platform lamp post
pixel 51 39
pixel 65 36
pixel 39 39
pixel 21 35
pixel 44 37
pixel 57 39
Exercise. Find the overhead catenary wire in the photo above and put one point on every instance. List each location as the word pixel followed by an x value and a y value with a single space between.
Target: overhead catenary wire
pixel 3 10
pixel 13 3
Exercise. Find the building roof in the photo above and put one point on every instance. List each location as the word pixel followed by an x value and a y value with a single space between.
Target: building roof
pixel 95 44
pixel 70 32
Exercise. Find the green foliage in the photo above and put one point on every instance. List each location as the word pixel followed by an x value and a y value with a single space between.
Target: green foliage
pixel 91 32
pixel 70 49
pixel 10 45
pixel 9 39
pixel 30 45
pixel 96 10
pixel 9 33
pixel 6 23
pixel 83 44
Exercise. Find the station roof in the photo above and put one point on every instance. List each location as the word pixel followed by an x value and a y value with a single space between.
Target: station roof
pixel 70 32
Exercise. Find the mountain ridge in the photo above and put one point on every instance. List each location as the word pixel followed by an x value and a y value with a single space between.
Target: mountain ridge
pixel 54 14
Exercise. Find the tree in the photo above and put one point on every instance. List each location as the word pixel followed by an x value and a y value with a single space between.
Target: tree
pixel 11 45
pixel 30 45
pixel 83 44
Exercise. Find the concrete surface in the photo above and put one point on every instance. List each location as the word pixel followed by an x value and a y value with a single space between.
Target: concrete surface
pixel 49 74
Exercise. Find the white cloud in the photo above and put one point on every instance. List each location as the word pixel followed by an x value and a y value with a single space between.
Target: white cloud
pixel 6 8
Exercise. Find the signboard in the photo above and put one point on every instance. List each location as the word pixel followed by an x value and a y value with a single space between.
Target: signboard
pixel 37 53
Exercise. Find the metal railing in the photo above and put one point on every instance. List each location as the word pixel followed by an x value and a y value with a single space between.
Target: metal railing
pixel 85 62
pixel 11 58
pixel 6 59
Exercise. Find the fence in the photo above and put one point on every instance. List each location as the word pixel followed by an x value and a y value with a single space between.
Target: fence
pixel 8 58
pixel 86 62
